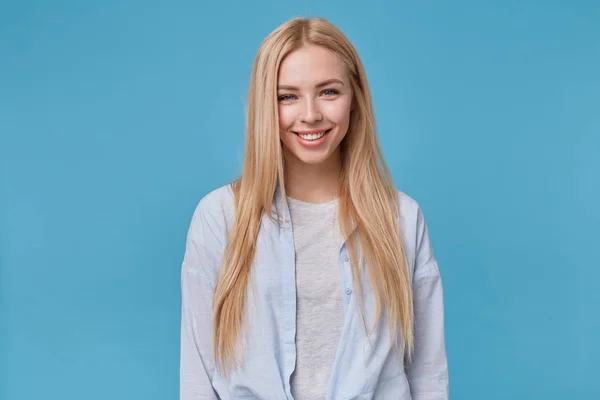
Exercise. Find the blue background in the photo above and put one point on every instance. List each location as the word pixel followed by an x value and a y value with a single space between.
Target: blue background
pixel 116 117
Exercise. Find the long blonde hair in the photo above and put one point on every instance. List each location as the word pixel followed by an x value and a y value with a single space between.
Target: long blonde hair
pixel 368 201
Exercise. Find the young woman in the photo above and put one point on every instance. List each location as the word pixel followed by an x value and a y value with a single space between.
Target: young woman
pixel 311 276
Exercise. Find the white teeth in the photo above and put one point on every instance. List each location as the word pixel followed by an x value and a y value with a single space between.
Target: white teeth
pixel 313 136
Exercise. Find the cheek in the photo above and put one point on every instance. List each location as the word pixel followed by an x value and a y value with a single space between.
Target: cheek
pixel 338 112
pixel 286 118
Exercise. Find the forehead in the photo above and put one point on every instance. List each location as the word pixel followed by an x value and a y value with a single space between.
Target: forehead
pixel 309 65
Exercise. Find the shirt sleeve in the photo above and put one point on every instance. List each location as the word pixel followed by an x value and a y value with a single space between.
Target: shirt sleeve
pixel 198 276
pixel 428 372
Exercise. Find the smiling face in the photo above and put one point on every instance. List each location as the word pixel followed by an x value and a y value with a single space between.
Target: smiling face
pixel 314 102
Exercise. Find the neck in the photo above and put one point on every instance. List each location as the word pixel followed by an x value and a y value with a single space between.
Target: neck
pixel 313 183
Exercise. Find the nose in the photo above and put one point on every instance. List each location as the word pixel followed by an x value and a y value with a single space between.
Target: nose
pixel 310 112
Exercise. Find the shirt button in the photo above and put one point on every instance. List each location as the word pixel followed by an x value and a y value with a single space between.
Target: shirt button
pixel 345 257
pixel 348 291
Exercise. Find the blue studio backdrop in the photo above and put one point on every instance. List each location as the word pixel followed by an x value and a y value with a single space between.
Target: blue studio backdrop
pixel 116 117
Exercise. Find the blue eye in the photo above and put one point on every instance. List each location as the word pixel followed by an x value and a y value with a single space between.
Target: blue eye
pixel 333 91
pixel 285 97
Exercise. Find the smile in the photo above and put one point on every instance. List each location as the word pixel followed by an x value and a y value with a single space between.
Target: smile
pixel 313 136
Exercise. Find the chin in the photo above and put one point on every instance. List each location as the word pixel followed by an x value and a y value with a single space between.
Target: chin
pixel 312 160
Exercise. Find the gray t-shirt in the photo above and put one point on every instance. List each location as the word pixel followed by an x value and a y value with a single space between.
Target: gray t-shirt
pixel 320 311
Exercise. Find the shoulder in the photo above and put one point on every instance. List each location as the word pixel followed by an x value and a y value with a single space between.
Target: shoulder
pixel 411 213
pixel 407 203
pixel 217 201
pixel 414 229
pixel 215 211
pixel 207 232
pixel 412 220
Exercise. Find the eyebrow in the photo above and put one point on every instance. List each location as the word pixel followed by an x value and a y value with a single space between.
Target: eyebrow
pixel 324 83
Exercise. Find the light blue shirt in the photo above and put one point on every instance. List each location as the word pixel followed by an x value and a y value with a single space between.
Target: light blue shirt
pixel 361 369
